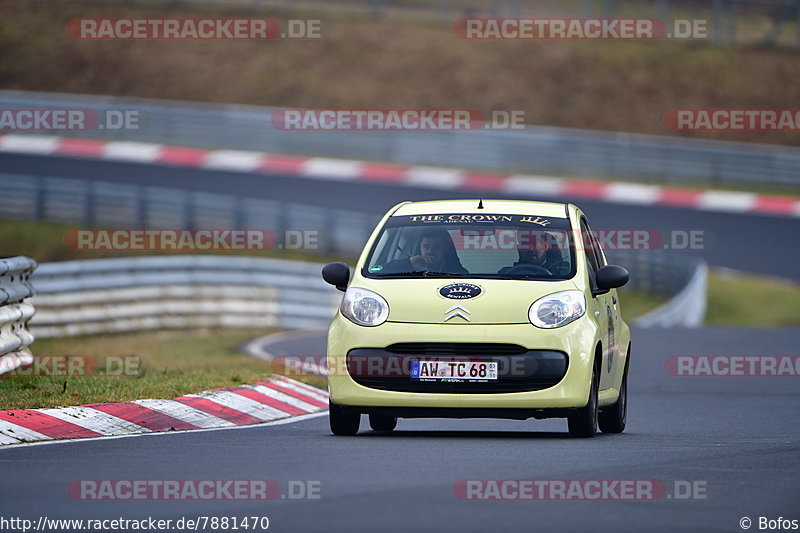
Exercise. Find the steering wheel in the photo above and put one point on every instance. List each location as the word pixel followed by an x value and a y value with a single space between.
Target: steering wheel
pixel 529 269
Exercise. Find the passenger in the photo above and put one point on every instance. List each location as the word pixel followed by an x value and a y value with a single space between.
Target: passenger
pixel 538 252
pixel 434 253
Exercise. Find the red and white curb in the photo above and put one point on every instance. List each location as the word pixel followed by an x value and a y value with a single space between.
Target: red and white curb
pixel 265 401
pixel 391 174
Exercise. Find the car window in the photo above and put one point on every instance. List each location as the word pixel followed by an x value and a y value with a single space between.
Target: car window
pixel 588 247
pixel 465 244
pixel 595 244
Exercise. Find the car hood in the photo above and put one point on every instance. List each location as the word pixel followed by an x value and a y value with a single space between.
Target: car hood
pixel 421 301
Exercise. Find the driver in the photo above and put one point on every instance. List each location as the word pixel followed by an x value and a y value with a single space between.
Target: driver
pixel 434 253
pixel 540 252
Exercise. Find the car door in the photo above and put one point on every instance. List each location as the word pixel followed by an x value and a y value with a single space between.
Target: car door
pixel 604 307
pixel 615 363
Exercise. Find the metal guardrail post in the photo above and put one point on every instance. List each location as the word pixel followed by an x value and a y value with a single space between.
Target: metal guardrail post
pixel 140 208
pixel 15 312
pixel 239 216
pixel 88 203
pixel 38 201
pixel 188 210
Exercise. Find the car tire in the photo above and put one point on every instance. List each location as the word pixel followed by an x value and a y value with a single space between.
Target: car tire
pixel 612 418
pixel 380 422
pixel 343 422
pixel 583 422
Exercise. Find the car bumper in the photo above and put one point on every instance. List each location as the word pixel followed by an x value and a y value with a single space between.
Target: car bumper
pixel 576 340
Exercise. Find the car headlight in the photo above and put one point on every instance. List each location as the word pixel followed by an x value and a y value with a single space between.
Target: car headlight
pixel 557 309
pixel 364 307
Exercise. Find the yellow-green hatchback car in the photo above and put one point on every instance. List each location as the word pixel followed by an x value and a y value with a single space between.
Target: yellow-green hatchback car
pixel 479 308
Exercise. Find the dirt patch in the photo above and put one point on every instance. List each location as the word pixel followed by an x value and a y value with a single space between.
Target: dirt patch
pixel 399 63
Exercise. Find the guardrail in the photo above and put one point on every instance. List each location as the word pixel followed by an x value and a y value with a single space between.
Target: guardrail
pixel 190 291
pixel 115 205
pixel 656 272
pixel 687 308
pixel 15 312
pixel 342 232
pixel 660 273
pixel 536 149
pixel 185 291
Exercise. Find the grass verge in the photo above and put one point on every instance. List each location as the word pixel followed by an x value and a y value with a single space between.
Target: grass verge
pixel 737 299
pixel 635 304
pixel 163 364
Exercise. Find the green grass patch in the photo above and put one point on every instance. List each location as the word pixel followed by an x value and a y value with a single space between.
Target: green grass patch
pixel 635 304
pixel 736 299
pixel 163 364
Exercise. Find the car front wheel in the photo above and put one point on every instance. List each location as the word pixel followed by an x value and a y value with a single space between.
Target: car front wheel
pixel 343 422
pixel 583 422
pixel 612 419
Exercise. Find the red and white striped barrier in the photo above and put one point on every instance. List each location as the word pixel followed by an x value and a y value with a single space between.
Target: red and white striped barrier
pixel 418 176
pixel 265 401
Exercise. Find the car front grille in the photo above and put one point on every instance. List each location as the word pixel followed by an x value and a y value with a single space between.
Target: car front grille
pixel 519 369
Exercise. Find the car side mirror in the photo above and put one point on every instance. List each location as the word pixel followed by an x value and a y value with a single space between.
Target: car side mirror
pixel 337 274
pixel 610 277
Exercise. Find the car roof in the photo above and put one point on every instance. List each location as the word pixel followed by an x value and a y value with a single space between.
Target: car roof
pixel 516 207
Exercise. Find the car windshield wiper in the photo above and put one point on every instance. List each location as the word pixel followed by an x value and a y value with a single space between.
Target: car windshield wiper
pixel 422 273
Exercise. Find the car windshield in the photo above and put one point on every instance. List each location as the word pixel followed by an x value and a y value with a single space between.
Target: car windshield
pixel 460 245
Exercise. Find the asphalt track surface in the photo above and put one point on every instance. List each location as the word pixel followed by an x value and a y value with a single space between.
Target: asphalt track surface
pixel 752 243
pixel 738 438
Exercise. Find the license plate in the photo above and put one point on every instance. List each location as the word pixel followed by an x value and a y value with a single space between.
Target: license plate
pixel 454 371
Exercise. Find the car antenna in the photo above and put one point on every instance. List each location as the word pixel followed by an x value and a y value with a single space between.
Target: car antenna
pixel 480 203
